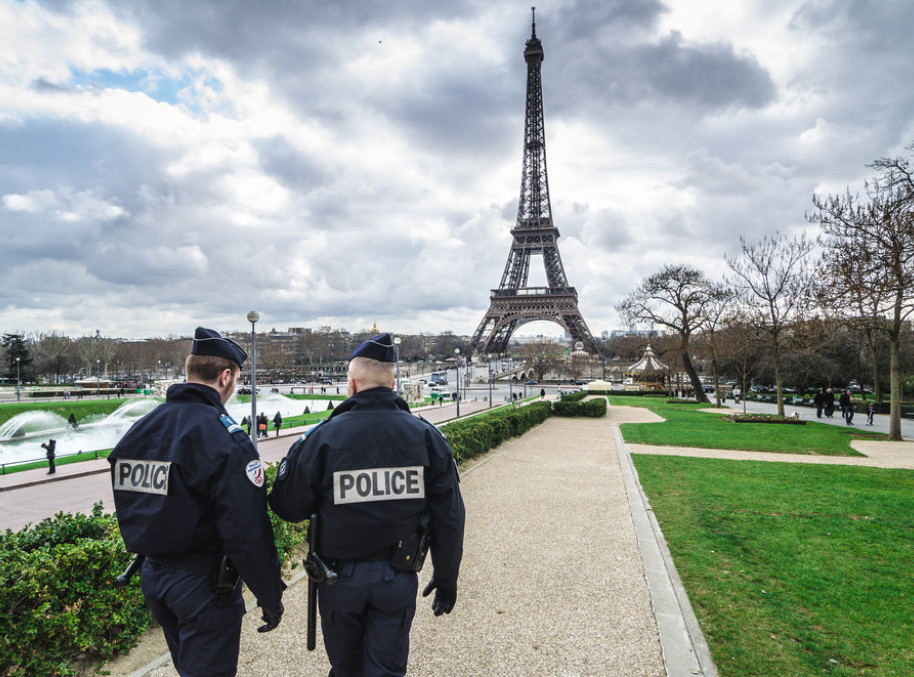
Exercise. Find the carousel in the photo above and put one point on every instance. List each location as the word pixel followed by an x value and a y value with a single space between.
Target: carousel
pixel 648 373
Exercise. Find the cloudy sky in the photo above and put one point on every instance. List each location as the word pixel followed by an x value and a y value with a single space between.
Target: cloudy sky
pixel 168 163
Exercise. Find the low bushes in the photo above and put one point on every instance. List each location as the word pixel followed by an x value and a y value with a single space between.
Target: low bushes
pixel 570 404
pixel 58 601
pixel 473 436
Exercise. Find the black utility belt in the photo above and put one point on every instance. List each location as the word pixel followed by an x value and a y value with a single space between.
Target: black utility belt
pixel 405 555
pixel 209 562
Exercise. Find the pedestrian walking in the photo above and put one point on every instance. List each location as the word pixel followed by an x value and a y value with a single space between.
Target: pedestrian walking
pixel 50 447
pixel 870 413
pixel 277 422
pixel 190 497
pixel 382 483
pixel 846 403
pixel 819 401
pixel 542 393
pixel 829 403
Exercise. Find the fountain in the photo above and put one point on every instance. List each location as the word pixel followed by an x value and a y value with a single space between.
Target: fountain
pixel 22 435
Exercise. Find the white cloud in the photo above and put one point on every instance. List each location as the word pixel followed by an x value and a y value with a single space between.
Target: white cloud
pixel 341 166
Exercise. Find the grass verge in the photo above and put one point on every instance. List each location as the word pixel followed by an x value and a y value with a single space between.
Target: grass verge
pixel 686 426
pixel 792 569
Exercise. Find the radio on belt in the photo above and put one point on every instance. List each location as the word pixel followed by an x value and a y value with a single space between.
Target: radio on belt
pixel 378 484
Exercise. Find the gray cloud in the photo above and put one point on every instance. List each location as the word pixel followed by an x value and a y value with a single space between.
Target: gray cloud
pixel 375 174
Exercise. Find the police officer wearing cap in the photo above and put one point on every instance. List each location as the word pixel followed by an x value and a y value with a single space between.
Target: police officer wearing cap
pixel 190 496
pixel 375 475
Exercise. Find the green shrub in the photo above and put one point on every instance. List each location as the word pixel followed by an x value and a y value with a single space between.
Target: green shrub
pixel 288 536
pixel 594 408
pixel 58 600
pixel 473 436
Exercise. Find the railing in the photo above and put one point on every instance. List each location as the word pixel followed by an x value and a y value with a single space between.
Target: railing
pixel 534 291
pixel 95 454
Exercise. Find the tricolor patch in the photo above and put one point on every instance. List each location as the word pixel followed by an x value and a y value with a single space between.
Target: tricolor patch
pixel 254 471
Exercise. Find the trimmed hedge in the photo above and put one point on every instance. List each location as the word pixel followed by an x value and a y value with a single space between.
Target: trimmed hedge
pixel 595 408
pixel 474 436
pixel 58 601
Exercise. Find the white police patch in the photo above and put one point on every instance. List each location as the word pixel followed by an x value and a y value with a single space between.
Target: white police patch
pixel 254 471
pixel 378 484
pixel 145 477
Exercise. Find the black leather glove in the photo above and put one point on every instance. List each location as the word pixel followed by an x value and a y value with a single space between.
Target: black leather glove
pixel 271 616
pixel 445 595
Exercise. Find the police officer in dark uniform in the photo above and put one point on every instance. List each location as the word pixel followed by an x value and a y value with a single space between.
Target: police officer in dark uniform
pixel 375 475
pixel 190 496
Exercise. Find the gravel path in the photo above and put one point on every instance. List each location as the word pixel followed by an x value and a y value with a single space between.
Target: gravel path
pixel 899 455
pixel 552 582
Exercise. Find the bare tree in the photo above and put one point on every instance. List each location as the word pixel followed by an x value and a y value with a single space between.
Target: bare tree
pixel 52 350
pixel 870 257
pixel 717 310
pixel 741 349
pixel 776 284
pixel 678 298
pixel 541 357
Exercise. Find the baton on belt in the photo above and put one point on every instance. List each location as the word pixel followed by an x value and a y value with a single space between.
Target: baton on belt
pixel 318 572
pixel 124 579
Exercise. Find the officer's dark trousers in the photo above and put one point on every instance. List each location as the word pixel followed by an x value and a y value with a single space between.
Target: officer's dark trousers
pixel 365 617
pixel 203 638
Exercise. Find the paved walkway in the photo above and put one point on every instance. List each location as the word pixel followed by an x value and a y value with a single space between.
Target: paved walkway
pixel 563 575
pixel 566 572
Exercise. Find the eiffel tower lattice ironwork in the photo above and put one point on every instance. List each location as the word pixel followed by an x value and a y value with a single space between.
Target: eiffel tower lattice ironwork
pixel 514 303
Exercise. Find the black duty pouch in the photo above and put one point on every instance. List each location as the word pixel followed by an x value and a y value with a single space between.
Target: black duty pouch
pixel 227 579
pixel 409 553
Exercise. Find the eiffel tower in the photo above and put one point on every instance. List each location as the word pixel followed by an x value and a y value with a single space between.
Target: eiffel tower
pixel 514 303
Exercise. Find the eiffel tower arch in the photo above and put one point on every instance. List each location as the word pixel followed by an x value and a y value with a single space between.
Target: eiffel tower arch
pixel 514 303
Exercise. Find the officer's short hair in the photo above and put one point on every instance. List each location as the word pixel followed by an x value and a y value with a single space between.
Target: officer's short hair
pixel 206 368
pixel 372 373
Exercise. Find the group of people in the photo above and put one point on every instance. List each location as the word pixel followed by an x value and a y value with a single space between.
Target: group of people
pixel 825 403
pixel 191 499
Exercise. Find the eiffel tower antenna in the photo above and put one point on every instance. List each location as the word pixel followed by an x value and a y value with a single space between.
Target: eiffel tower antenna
pixel 514 303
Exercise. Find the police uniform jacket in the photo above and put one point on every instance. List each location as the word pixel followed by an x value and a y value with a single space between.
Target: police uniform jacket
pixel 370 470
pixel 189 487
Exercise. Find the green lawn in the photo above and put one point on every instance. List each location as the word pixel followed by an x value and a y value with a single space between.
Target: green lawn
pixel 82 409
pixel 687 427
pixel 792 569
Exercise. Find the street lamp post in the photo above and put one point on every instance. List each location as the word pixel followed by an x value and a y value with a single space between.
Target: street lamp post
pixel 98 377
pixel 491 377
pixel 397 352
pixel 253 316
pixel 457 355
pixel 18 385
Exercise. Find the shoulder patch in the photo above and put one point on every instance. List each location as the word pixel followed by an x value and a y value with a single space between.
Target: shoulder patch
pixel 308 432
pixel 283 469
pixel 229 423
pixel 255 473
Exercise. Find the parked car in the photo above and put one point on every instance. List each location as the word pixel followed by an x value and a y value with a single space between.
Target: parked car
pixel 579 382
pixel 326 381
pixel 531 382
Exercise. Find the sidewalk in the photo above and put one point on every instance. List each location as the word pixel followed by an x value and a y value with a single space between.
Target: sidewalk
pixel 563 575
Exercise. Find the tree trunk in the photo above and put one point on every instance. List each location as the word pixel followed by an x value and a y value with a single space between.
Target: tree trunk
pixel 690 370
pixel 895 385
pixel 777 376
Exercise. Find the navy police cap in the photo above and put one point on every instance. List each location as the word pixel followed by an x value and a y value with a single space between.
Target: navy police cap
pixel 379 348
pixel 209 342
